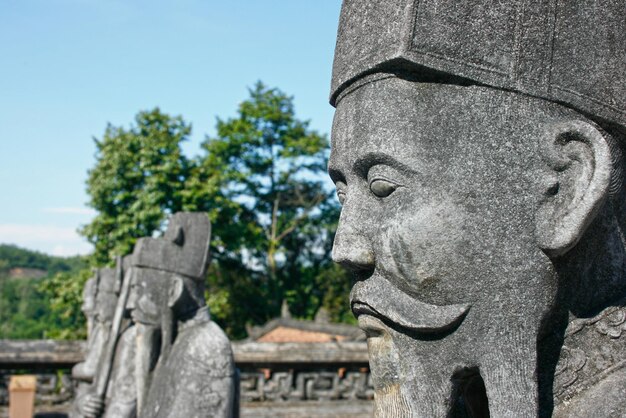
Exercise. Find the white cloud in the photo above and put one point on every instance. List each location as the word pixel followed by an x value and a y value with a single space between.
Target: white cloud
pixel 70 250
pixel 70 211
pixel 46 238
pixel 37 233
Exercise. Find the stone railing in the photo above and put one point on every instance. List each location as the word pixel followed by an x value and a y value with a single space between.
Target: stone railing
pixel 324 376
pixel 299 372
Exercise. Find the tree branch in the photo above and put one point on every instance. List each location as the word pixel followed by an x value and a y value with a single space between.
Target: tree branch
pixel 298 219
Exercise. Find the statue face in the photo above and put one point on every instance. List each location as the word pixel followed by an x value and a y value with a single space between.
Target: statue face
pixel 438 189
pixel 450 196
pixel 89 299
pixel 105 306
pixel 145 298
pixel 106 298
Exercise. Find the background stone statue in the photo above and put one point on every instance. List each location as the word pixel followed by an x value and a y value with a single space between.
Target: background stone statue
pixel 121 394
pixel 89 303
pixel 477 150
pixel 99 301
pixel 184 363
pixel 89 310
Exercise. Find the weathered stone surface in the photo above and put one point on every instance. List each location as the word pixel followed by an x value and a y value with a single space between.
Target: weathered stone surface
pixel 104 288
pixel 195 373
pixel 99 300
pixel 481 216
pixel 183 249
pixel 571 52
pixel 306 385
pixel 335 409
pixel 40 354
pixel 55 354
pixel 315 409
pixel 284 353
pixel 121 396
pixel 153 350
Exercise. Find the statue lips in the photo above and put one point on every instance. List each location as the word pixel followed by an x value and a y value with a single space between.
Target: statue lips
pixel 376 297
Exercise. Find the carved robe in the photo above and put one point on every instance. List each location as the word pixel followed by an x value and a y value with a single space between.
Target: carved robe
pixel 198 377
pixel 121 400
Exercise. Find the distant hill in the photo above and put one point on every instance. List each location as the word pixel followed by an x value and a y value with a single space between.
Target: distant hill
pixel 20 262
pixel 25 308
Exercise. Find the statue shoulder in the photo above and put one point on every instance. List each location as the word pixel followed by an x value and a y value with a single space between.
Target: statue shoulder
pixel 590 377
pixel 207 349
pixel 209 334
pixel 605 399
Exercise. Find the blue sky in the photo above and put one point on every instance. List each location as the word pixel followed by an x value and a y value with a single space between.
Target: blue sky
pixel 69 67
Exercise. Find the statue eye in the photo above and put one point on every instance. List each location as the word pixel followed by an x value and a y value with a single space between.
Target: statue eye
pixel 341 196
pixel 341 191
pixel 382 188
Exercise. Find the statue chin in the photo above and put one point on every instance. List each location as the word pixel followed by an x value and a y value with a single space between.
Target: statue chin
pixel 384 364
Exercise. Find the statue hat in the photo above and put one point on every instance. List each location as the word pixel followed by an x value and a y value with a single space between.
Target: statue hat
pixel 183 249
pixel 107 280
pixel 569 52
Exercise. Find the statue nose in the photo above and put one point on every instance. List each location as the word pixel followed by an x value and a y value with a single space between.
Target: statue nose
pixel 353 251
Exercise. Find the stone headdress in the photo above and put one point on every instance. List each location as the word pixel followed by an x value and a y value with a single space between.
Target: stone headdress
pixel 182 250
pixel 106 280
pixel 570 52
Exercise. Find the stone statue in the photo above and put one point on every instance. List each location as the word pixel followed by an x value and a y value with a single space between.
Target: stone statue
pixel 83 372
pixel 184 363
pixel 89 303
pixel 121 394
pixel 99 301
pixel 121 397
pixel 477 151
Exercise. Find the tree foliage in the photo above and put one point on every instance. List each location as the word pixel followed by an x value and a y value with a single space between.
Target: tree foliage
pixel 261 178
pixel 137 181
pixel 24 312
pixel 274 216
pixel 64 293
pixel 47 307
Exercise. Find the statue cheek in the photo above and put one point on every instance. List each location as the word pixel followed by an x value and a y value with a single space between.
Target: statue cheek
pixel 147 307
pixel 408 246
pixel 422 247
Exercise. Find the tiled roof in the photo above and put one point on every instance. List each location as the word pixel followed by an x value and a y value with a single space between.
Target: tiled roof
pixel 294 330
pixel 284 335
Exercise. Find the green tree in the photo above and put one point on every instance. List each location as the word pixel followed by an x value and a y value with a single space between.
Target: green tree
pixel 47 307
pixel 262 179
pixel 23 309
pixel 137 181
pixel 64 293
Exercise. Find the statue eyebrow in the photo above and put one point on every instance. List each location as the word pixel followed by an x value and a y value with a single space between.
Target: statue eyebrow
pixel 334 171
pixel 335 174
pixel 367 161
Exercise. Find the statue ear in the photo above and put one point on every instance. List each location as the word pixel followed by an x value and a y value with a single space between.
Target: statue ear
pixel 175 292
pixel 579 161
